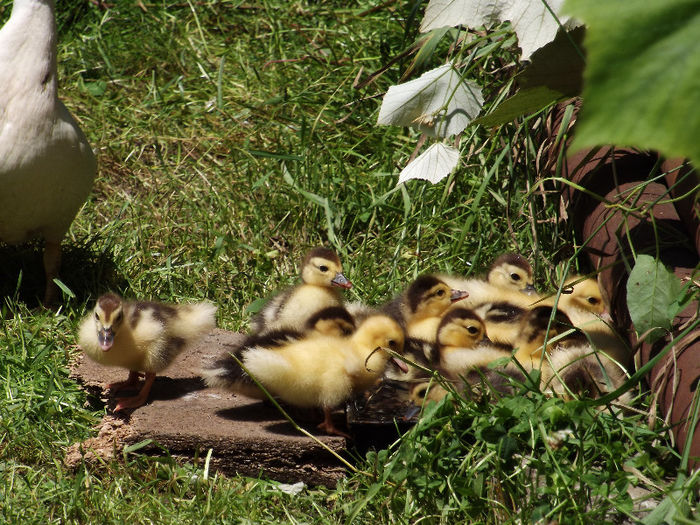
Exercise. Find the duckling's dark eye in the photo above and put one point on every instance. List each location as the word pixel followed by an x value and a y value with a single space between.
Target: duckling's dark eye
pixel 593 300
pixel 440 293
pixel 515 276
pixel 472 330
pixel 392 344
pixel 119 318
pixel 97 316
pixel 323 268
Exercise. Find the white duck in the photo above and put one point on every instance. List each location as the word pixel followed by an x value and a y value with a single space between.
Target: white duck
pixel 46 164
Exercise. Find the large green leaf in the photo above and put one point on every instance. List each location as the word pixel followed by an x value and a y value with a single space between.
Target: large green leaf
pixel 653 296
pixel 642 79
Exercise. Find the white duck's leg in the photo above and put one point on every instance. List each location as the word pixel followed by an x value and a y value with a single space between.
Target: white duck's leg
pixel 52 264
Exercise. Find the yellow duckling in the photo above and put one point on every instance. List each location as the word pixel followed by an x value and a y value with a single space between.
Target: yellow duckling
pixel 503 319
pixel 583 372
pixel 465 355
pixel 141 336
pixel 322 278
pixel 583 303
pixel 509 279
pixel 423 302
pixel 325 371
pixel 512 271
pixel 227 374
pixel 539 326
pixel 463 344
pixel 427 391
pixel 581 299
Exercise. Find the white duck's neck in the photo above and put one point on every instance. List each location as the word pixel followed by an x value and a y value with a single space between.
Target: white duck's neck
pixel 28 51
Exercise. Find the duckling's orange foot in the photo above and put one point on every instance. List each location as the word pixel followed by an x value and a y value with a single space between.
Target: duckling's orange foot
pixel 139 399
pixel 328 427
pixel 124 403
pixel 332 430
pixel 133 379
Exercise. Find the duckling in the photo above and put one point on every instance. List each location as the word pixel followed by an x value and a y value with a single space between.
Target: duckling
pixel 325 371
pixel 463 344
pixel 582 301
pixel 466 360
pixel 582 371
pixel 141 336
pixel 47 166
pixel 503 319
pixel 322 276
pixel 426 391
pixel 426 299
pixel 512 271
pixel 419 310
pixel 418 351
pixel 226 373
pixel 333 321
pixel 539 326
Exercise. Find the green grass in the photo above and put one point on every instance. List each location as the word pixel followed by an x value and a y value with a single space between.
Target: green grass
pixel 231 139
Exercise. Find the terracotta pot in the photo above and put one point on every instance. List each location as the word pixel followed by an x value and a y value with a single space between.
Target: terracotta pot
pixel 617 177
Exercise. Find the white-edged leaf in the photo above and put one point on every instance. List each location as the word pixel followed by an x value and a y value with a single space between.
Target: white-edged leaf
pixel 438 103
pixel 533 21
pixel 434 164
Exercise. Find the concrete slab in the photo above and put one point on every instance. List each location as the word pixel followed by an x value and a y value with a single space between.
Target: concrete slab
pixel 247 436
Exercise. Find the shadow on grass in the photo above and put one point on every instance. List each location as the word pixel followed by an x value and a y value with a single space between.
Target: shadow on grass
pixel 86 272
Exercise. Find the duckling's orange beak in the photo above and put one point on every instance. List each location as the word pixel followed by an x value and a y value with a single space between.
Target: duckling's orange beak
pixel 341 280
pixel 105 337
pixel 458 295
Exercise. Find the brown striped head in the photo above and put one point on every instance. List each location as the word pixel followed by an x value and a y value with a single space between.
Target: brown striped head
pixel 322 267
pixel 535 326
pixel 109 316
pixel 584 295
pixel 428 296
pixel 512 271
pixel 462 328
pixel 333 321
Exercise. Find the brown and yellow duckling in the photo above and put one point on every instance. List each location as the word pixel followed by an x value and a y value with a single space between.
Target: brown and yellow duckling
pixel 466 354
pixel 325 371
pixel 582 372
pixel 512 271
pixel 226 373
pixel 509 278
pixel 463 344
pixel 582 301
pixel 322 279
pixel 420 307
pixel 540 328
pixel 141 336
